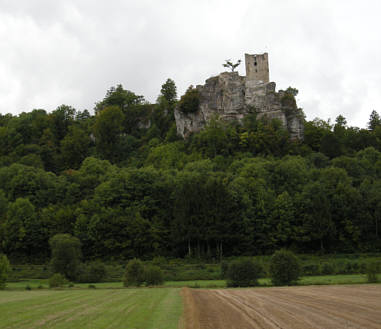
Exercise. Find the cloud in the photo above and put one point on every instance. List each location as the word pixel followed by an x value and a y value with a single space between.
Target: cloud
pixel 73 51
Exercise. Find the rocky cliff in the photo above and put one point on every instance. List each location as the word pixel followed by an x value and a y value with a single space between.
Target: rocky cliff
pixel 230 96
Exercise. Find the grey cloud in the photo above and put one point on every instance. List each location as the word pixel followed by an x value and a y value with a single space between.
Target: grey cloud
pixel 54 52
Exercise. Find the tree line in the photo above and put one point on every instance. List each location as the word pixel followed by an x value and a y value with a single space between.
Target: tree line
pixel 123 183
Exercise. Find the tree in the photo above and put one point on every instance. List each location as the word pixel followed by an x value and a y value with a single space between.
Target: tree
pixel 229 64
pixel 5 268
pixel 62 118
pixel 244 273
pixel 118 96
pixel 66 255
pixel 107 130
pixel 153 275
pixel 374 120
pixel 75 147
pixel 23 233
pixel 168 91
pixel 316 210
pixel 134 275
pixel 284 268
pixel 190 101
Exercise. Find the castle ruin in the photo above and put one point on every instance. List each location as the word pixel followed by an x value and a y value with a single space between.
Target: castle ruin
pixel 231 97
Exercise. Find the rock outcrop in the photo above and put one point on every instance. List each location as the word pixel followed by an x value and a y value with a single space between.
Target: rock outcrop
pixel 230 97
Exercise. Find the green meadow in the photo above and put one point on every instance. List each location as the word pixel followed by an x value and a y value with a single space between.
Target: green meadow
pixel 142 308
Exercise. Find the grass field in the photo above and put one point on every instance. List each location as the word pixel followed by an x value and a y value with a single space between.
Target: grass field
pixel 112 306
pixel 143 308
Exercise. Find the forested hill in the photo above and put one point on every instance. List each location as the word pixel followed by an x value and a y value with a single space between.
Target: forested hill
pixel 126 185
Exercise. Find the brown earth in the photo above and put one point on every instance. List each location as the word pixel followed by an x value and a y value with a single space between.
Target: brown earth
pixel 323 307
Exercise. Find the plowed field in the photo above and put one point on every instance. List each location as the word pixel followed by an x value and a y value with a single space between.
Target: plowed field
pixel 323 307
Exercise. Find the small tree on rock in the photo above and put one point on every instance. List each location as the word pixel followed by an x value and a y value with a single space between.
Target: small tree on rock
pixel 229 64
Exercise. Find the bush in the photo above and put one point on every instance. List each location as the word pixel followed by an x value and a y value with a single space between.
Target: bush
pixel 57 280
pixel 159 260
pixel 328 269
pixel 190 101
pixel 134 275
pixel 66 254
pixel 92 273
pixel 243 273
pixel 153 276
pixel 5 268
pixel 371 272
pixel 224 269
pixel 284 268
pixel 311 269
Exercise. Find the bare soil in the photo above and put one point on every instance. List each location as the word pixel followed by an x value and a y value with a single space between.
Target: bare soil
pixel 323 307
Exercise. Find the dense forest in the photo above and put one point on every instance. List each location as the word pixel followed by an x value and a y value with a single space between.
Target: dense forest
pixel 126 185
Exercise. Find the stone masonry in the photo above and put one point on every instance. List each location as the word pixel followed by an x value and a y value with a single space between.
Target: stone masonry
pixel 230 97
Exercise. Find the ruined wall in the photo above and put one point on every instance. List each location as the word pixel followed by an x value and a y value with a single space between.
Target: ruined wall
pixel 257 68
pixel 230 97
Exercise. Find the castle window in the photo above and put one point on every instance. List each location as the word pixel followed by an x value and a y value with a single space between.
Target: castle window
pixel 255 63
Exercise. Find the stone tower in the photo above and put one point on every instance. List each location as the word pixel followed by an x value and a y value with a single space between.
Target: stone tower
pixel 257 68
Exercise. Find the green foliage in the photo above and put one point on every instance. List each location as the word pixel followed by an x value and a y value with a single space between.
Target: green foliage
pixel 92 273
pixel 168 91
pixel 284 268
pixel 153 275
pixel 243 273
pixel 57 280
pixel 190 101
pixel 5 268
pixel 224 267
pixel 374 120
pixel 107 131
pixel 229 64
pixel 372 269
pixel 120 97
pixel 66 255
pixel 231 189
pixel 134 275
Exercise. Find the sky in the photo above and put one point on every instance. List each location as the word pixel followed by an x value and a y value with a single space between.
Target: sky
pixel 72 51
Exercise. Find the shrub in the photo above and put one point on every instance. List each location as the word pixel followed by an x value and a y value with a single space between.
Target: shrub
pixel 28 287
pixel 224 269
pixel 190 101
pixel 66 254
pixel 92 273
pixel 57 280
pixel 284 268
pixel 243 273
pixel 159 260
pixel 5 268
pixel 311 269
pixel 328 268
pixel 91 286
pixel 134 275
pixel 371 271
pixel 153 275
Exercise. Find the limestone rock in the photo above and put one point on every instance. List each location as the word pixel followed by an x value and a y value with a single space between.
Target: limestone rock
pixel 230 97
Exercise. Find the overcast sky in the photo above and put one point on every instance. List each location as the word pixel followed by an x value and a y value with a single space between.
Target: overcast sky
pixel 56 52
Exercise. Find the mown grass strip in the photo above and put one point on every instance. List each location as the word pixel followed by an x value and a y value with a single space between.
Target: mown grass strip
pixel 143 308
